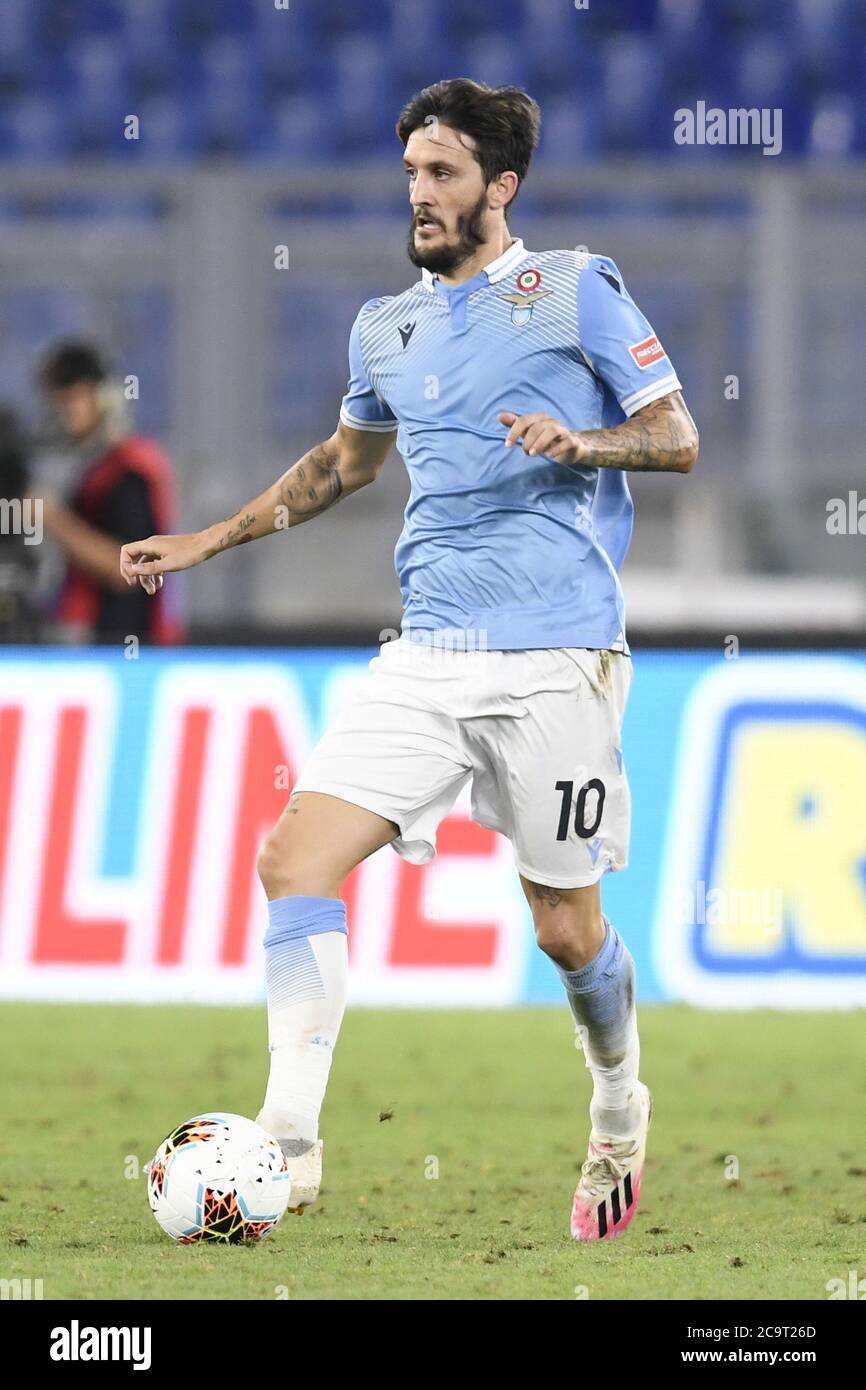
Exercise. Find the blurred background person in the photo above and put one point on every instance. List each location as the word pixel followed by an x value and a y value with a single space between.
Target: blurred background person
pixel 20 532
pixel 119 483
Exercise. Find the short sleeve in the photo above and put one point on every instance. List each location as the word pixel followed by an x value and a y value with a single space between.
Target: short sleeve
pixel 617 341
pixel 362 408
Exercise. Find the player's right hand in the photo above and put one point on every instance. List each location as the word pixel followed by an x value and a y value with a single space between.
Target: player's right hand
pixel 145 562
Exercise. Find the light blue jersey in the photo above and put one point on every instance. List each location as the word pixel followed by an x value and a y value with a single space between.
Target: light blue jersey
pixel 522 550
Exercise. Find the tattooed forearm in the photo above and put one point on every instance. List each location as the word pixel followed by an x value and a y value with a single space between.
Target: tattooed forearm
pixel 310 486
pixel 238 534
pixel 349 460
pixel 660 438
pixel 313 485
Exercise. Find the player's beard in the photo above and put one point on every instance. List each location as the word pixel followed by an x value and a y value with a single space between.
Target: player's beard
pixel 445 259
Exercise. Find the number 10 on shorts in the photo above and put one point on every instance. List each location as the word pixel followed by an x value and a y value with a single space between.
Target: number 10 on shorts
pixel 581 828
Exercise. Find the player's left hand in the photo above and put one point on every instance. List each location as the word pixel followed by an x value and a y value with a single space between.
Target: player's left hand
pixel 541 434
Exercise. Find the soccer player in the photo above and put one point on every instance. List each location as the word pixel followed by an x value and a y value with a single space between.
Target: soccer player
pixel 522 387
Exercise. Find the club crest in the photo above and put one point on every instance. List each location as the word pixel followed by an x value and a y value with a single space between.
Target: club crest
pixel 526 295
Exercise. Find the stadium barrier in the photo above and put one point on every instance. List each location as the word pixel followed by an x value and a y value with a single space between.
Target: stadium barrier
pixel 134 795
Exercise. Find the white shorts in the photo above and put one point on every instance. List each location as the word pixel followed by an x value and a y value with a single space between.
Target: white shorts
pixel 537 731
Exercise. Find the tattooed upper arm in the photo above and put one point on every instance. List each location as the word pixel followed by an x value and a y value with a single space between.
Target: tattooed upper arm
pixel 313 484
pixel 349 460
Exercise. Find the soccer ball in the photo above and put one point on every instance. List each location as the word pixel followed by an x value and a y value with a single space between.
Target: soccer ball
pixel 218 1177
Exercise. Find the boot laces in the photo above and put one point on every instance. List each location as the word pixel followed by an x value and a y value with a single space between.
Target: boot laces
pixel 602 1171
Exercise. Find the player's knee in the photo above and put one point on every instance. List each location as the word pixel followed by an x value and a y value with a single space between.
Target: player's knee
pixel 280 874
pixel 568 922
pixel 285 873
pixel 556 937
pixel 268 865
pixel 570 937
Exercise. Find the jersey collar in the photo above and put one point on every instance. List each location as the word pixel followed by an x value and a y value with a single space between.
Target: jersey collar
pixel 494 270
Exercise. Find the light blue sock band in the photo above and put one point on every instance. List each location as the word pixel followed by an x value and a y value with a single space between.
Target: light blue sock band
pixel 290 918
pixel 601 996
pixel 291 968
pixel 605 963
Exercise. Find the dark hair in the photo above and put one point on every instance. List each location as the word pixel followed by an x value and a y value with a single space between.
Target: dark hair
pixel 504 122
pixel 70 363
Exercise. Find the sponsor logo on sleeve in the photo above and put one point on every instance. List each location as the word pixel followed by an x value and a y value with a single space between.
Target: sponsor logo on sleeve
pixel 647 352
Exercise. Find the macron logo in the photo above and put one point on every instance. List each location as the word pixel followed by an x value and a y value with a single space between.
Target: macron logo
pixel 406 332
pixel 77 1343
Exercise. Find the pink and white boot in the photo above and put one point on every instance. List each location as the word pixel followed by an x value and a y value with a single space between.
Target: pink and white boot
pixel 607 1196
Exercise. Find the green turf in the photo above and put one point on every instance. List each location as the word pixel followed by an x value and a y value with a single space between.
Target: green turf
pixel 499 1100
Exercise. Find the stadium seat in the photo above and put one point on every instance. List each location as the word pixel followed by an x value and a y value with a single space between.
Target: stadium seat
pixel 228 76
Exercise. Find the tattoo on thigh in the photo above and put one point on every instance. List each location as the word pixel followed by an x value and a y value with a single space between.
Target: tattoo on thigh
pixel 551 897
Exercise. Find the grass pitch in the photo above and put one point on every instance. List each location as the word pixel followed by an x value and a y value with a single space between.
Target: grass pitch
pixel 755 1184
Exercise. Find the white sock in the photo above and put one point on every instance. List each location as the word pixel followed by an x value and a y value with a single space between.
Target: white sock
pixel 307 986
pixel 615 1106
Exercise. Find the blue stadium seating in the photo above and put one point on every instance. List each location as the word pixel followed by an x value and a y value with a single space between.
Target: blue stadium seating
pixel 325 79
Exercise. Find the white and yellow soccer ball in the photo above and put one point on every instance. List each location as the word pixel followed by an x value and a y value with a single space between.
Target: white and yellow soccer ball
pixel 218 1177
